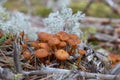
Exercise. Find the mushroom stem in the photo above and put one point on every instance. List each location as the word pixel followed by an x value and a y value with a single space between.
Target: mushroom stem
pixel 49 57
pixel 79 64
pixel 79 61
pixel 81 52
pixel 72 50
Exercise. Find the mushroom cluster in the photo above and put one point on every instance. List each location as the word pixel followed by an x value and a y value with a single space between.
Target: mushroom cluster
pixel 55 47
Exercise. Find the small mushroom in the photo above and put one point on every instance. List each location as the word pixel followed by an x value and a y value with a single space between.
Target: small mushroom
pixel 62 44
pixel 81 52
pixel 24 46
pixel 26 54
pixel 62 36
pixel 61 55
pixel 73 36
pixel 44 46
pixel 53 42
pixel 35 44
pixel 44 36
pixel 41 53
pixel 47 62
pixel 73 43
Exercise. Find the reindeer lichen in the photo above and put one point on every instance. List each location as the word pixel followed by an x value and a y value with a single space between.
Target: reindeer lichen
pixel 64 20
pixel 15 22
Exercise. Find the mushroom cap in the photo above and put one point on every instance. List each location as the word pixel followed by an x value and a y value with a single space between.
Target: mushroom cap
pixel 62 44
pixel 73 42
pixel 82 52
pixel 44 36
pixel 61 54
pixel 26 54
pixel 34 44
pixel 24 46
pixel 44 46
pixel 53 41
pixel 63 36
pixel 41 53
pixel 73 36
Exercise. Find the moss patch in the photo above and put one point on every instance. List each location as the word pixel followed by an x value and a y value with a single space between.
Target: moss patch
pixel 97 9
pixel 41 10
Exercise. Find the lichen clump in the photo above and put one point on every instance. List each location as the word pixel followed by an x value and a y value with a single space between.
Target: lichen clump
pixel 16 22
pixel 64 20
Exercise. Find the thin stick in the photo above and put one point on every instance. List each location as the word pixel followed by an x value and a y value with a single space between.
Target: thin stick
pixel 88 5
pixel 46 78
pixel 16 58
pixel 5 57
pixel 48 70
pixel 113 6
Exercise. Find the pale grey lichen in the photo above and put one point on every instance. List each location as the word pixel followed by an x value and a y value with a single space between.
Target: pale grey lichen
pixel 64 20
pixel 15 22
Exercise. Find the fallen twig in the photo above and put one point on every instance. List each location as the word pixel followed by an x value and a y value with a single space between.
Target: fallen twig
pixel 47 77
pixel 6 74
pixel 88 5
pixel 48 70
pixel 100 20
pixel 112 5
pixel 105 38
pixel 16 57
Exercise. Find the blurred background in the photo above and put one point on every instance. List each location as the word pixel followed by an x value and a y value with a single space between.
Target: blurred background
pixel 101 25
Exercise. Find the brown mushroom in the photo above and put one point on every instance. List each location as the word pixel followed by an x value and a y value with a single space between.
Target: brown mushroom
pixel 61 55
pixel 35 44
pixel 24 46
pixel 62 36
pixel 73 43
pixel 53 42
pixel 41 53
pixel 81 52
pixel 47 62
pixel 26 54
pixel 44 46
pixel 62 44
pixel 73 36
pixel 44 36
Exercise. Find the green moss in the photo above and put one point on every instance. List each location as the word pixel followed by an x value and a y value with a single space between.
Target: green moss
pixel 94 43
pixel 96 9
pixel 100 10
pixel 13 4
pixel 40 10
pixel 23 9
pixel 78 6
